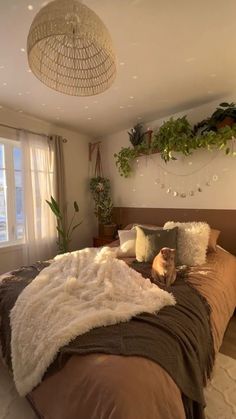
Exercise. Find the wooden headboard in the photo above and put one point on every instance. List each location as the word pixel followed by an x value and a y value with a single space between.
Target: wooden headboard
pixel 223 220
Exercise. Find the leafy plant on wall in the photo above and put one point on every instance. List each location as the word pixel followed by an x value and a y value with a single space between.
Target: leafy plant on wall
pixel 177 136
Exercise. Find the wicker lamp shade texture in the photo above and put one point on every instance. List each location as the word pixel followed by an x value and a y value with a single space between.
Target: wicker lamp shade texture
pixel 70 49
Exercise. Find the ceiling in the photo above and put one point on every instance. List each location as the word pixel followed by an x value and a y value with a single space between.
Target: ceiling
pixel 170 56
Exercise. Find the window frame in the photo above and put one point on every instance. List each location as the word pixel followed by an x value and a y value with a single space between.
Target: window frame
pixel 11 223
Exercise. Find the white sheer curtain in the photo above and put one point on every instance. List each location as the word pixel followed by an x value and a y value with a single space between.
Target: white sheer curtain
pixel 39 185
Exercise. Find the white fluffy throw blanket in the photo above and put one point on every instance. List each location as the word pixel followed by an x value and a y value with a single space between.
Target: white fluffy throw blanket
pixel 77 292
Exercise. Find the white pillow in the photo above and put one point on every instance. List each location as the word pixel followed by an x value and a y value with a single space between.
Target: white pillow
pixel 127 242
pixel 192 242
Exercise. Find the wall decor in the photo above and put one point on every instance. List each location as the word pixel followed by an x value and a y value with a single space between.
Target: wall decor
pixel 190 183
pixel 177 136
pixel 187 180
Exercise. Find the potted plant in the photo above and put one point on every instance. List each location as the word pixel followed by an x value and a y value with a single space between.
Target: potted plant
pixel 101 193
pixel 136 135
pixel 224 115
pixel 64 234
pixel 174 135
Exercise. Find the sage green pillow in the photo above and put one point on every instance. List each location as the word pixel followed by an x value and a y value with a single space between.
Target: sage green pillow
pixel 150 242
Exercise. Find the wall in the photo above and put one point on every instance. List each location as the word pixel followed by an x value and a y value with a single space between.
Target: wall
pixel 77 174
pixel 153 183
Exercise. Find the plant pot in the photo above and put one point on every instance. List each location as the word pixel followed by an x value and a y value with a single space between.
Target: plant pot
pixel 227 121
pixel 107 230
pixel 100 230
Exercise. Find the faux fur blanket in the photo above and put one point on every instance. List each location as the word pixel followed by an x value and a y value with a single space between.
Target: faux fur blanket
pixel 79 291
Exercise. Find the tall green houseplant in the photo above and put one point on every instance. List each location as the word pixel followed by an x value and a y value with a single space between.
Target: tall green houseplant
pixel 64 234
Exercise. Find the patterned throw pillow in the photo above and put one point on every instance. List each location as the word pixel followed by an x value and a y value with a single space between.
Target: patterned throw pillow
pixel 150 242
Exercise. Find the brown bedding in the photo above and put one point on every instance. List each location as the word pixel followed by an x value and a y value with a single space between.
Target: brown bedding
pixel 115 387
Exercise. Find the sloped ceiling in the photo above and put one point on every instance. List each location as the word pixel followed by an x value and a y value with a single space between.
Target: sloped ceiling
pixel 171 55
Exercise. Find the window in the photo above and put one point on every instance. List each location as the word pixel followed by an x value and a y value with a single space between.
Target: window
pixel 11 193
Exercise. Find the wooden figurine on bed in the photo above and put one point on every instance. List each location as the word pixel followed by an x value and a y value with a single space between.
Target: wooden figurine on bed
pixel 163 266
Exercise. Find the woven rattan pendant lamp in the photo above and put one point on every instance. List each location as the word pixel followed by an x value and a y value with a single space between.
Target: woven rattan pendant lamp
pixel 70 49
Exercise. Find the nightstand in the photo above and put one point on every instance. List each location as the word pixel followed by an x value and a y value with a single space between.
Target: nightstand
pixel 102 241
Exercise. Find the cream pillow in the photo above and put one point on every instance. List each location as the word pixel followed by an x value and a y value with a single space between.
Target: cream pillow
pixel 128 239
pixel 192 242
pixel 127 242
pixel 150 226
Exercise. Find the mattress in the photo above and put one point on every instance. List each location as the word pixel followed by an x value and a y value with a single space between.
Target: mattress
pixel 101 386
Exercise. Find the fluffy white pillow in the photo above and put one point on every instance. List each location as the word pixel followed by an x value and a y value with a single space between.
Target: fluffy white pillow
pixel 127 242
pixel 192 242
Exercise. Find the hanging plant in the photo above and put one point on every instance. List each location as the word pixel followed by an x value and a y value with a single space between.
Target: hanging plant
pixel 101 193
pixel 174 135
pixel 126 156
pixel 219 140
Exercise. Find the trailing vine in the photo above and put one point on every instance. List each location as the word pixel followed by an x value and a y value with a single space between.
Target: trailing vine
pixel 176 136
pixel 127 155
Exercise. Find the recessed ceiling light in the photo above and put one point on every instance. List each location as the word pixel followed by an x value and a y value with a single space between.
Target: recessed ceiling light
pixel 19 94
pixel 4 84
pixel 122 63
pixel 131 97
pixel 30 7
pixel 22 49
pixel 121 107
pixel 135 77
pixel 43 104
pixel 20 111
pixel 89 118
pixel 86 107
pixel 2 67
pixel 29 70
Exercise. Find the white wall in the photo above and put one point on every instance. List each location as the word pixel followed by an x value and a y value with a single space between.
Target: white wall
pixel 143 188
pixel 77 179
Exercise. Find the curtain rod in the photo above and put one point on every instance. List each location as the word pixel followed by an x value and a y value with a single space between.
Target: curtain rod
pixel 64 140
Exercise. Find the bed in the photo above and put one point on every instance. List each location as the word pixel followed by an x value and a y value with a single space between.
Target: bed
pixel 110 386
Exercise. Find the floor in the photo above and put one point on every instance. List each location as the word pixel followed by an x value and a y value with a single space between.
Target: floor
pixel 229 343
